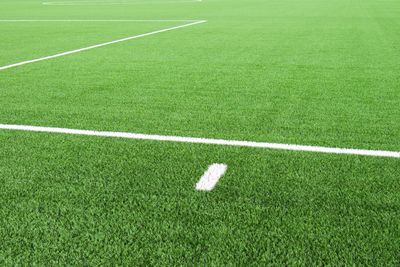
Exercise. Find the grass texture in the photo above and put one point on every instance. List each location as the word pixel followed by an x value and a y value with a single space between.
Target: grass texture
pixel 306 72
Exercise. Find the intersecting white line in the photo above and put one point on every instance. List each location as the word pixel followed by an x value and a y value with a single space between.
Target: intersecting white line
pixel 100 45
pixel 193 140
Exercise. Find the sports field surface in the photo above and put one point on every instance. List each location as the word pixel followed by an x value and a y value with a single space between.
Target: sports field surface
pixel 118 117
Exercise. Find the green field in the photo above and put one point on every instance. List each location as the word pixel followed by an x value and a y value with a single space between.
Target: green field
pixel 307 72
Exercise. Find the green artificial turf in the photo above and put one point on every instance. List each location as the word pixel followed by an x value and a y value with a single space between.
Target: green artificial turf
pixel 305 72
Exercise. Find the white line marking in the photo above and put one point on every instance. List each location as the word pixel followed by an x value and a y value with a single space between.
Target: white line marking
pixel 99 45
pixel 211 177
pixel 84 3
pixel 99 20
pixel 193 140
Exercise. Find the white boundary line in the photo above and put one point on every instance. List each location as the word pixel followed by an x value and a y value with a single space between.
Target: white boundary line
pixel 99 20
pixel 211 177
pixel 222 142
pixel 99 45
pixel 87 3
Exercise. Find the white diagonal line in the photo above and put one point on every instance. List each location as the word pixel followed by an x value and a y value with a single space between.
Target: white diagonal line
pixel 211 177
pixel 98 45
pixel 193 140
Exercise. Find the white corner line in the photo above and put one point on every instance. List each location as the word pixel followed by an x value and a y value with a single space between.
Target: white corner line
pixel 208 141
pixel 211 177
pixel 99 45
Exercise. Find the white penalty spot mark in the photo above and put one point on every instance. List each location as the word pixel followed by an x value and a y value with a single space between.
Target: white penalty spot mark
pixel 211 177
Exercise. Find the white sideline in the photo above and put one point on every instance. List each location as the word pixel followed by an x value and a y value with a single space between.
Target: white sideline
pixel 99 45
pixel 99 20
pixel 211 177
pixel 82 3
pixel 193 140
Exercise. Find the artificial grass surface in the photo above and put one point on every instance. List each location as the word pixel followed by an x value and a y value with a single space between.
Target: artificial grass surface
pixel 82 200
pixel 307 72
pixel 303 76
pixel 30 40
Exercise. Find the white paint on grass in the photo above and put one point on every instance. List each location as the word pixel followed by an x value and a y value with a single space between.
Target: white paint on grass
pixel 211 177
pixel 99 45
pixel 85 3
pixel 208 141
pixel 99 20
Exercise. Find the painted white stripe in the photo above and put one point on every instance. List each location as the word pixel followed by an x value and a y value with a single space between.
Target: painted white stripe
pixel 84 3
pixel 99 20
pixel 99 45
pixel 211 177
pixel 193 140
